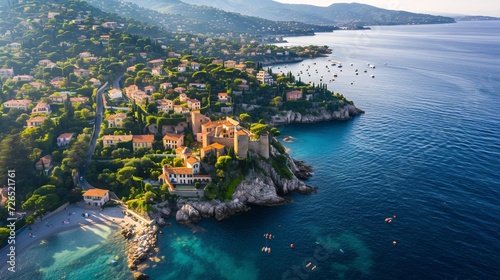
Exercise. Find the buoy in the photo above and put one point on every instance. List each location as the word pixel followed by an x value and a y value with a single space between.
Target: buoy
pixel 394 216
pixel 394 242
pixel 292 246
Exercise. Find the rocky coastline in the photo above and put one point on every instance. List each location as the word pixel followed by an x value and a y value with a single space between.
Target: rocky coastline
pixel 257 189
pixel 345 113
pixel 141 247
pixel 264 187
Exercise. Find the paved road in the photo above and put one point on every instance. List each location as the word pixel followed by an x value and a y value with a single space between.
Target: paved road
pixel 97 128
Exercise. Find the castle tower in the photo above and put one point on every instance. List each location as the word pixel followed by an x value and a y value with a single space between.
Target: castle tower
pixel 205 140
pixel 241 144
pixel 264 145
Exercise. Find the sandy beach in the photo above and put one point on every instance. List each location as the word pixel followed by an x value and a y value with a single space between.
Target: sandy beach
pixel 64 220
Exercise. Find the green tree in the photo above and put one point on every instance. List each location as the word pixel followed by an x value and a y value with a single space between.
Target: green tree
pixel 124 175
pixel 152 109
pixel 223 162
pixel 178 162
pixel 258 128
pixel 149 197
pixel 77 153
pixel 85 113
pixel 245 118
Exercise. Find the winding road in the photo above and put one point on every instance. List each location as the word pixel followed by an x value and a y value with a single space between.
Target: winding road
pixel 82 180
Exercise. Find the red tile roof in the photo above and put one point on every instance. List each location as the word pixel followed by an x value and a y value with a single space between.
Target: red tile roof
pixel 96 192
pixel 143 138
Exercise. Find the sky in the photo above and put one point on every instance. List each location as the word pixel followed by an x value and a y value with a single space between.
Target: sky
pixel 435 7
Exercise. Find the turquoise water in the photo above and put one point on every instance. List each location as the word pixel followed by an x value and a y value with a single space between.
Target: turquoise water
pixel 427 150
pixel 79 253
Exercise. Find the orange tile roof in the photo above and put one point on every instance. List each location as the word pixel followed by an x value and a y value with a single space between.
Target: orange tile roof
pixel 164 101
pixel 215 123
pixel 217 146
pixel 207 148
pixel 191 160
pixel 41 104
pixel 117 137
pixel 143 138
pixel 178 170
pixel 173 136
pixel 241 132
pixel 38 118
pixel 65 135
pixel 119 116
pixel 14 101
pixel 96 192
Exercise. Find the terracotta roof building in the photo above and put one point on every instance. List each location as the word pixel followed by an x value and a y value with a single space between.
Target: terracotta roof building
pixel 96 197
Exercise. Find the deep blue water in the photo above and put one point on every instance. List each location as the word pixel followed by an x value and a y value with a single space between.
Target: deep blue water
pixel 427 150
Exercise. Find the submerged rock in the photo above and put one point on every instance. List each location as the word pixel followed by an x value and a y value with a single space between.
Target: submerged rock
pixel 140 276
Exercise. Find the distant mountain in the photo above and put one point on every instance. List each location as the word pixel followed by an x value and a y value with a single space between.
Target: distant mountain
pixel 183 17
pixel 353 14
pixel 475 18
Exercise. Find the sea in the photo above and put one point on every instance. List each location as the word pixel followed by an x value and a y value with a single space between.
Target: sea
pixel 426 153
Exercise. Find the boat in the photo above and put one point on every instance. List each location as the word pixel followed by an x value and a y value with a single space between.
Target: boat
pixel 335 74
pixel 314 267
pixel 373 76
pixel 308 264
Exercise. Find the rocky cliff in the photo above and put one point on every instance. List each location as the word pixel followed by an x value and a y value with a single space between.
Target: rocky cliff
pixel 260 187
pixel 193 211
pixel 345 113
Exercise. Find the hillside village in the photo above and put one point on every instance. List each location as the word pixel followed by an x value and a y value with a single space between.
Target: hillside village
pixel 185 115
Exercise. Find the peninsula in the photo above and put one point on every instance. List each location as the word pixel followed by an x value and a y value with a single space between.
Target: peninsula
pixel 179 123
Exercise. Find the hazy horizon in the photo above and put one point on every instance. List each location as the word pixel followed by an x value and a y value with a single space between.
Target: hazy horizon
pixel 443 7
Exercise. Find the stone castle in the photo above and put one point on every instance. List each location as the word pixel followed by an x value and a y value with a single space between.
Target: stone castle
pixel 215 136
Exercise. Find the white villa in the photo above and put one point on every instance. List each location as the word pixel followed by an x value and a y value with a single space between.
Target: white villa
pixel 96 197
